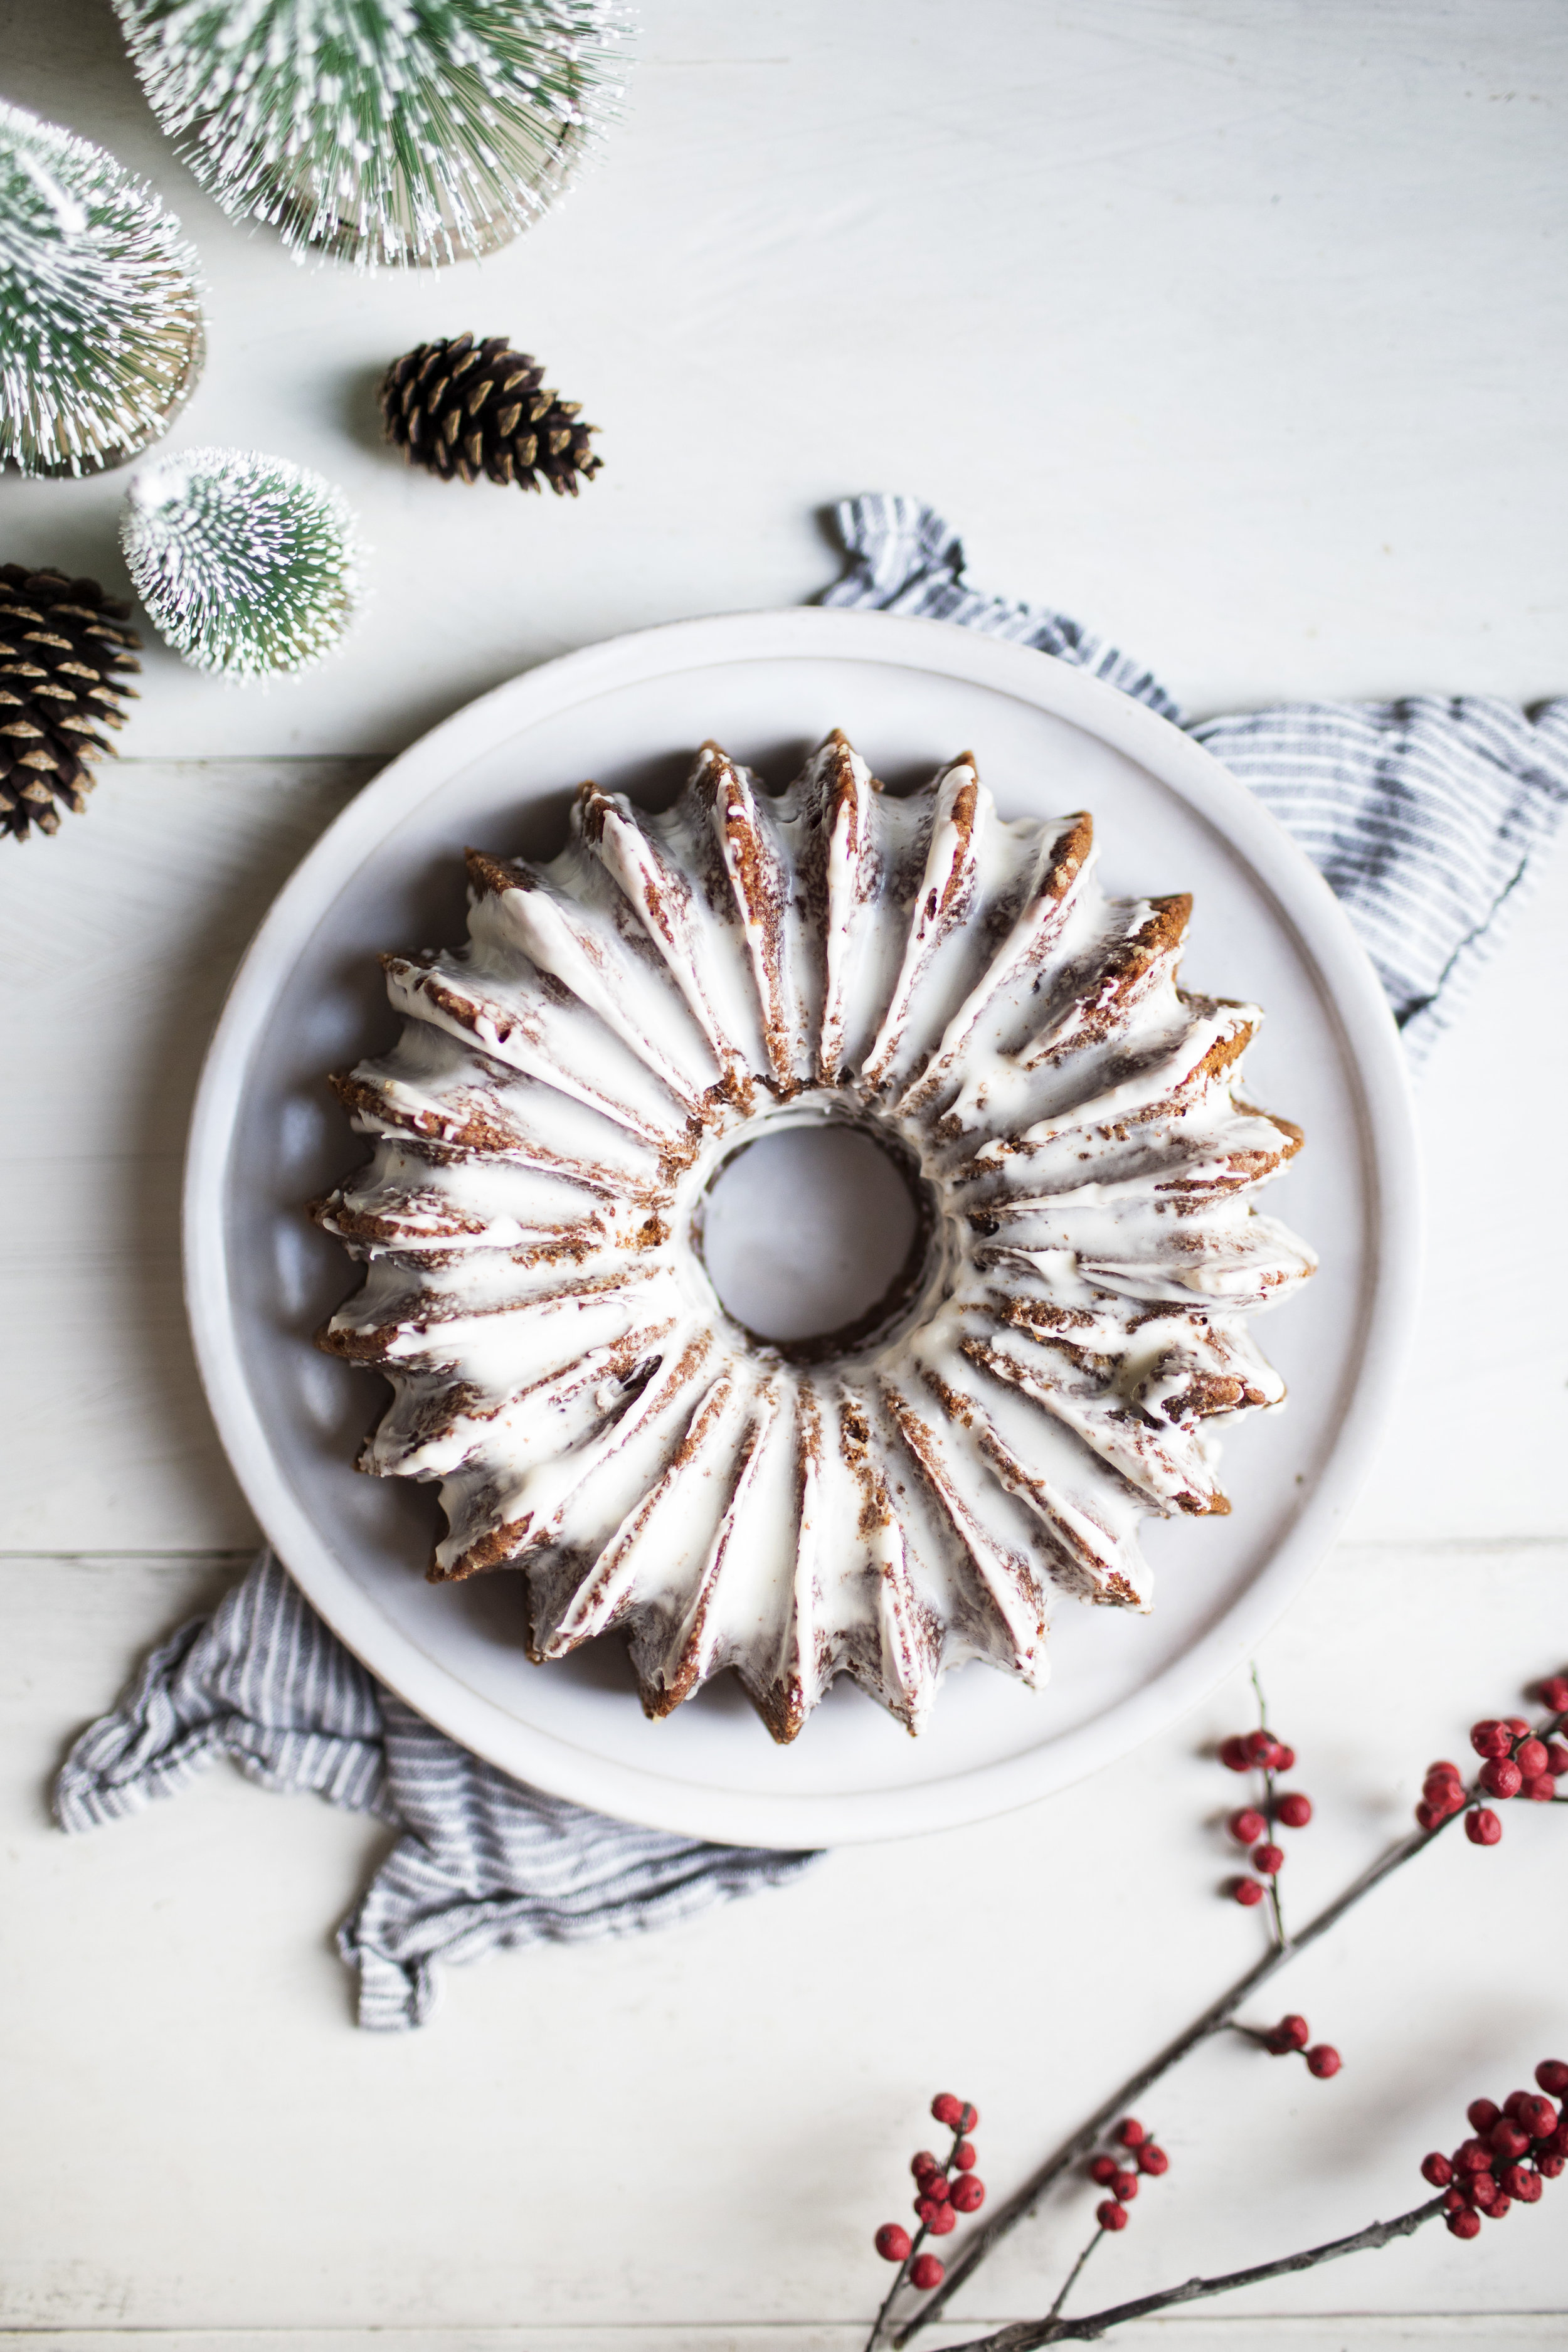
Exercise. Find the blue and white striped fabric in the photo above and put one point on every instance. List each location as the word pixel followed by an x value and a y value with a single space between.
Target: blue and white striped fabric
pixel 482 1862
pixel 1422 814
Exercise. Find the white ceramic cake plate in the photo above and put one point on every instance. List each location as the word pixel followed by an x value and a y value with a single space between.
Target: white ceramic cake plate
pixel 267 1137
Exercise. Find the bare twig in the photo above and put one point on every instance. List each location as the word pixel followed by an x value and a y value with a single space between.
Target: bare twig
pixel 1026 2335
pixel 1071 2279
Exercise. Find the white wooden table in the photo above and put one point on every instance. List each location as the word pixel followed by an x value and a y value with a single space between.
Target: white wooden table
pixel 1239 329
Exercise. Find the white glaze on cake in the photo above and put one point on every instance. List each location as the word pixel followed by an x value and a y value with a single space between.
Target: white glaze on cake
pixel 908 1496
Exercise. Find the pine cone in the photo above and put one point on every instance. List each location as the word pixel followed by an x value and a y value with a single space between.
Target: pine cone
pixel 64 648
pixel 468 408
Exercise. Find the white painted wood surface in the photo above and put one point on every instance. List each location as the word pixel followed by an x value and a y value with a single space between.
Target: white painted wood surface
pixel 1237 328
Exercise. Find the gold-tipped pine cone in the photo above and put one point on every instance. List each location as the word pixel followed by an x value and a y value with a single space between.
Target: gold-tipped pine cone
pixel 65 650
pixel 466 408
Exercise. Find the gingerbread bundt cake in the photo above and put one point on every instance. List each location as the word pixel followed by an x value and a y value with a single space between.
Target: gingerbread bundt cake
pixel 900 1495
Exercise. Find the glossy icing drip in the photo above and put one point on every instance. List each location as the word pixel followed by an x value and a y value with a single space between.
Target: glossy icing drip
pixel 669 987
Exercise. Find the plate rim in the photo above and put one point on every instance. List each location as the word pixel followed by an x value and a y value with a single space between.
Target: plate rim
pixel 1371 1049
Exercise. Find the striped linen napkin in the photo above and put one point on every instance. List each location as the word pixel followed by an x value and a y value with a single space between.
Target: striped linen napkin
pixel 482 1862
pixel 1424 815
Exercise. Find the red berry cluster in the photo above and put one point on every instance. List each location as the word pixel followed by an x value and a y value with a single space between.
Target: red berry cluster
pixel 1259 1751
pixel 1293 2034
pixel 940 2198
pixel 1516 1762
pixel 1144 2158
pixel 1516 2150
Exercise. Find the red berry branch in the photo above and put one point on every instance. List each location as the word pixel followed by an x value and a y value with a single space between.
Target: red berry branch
pixel 1527 2136
pixel 1258 1751
pixel 1537 1757
pixel 1148 2160
pixel 1518 1763
pixel 1291 2038
pixel 1514 2150
pixel 939 2199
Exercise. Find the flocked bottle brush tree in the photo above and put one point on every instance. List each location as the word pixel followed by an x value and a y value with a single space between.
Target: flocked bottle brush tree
pixel 249 566
pixel 382 130
pixel 100 322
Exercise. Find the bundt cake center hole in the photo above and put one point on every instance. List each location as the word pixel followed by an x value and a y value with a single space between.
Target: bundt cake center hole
pixel 815 1236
